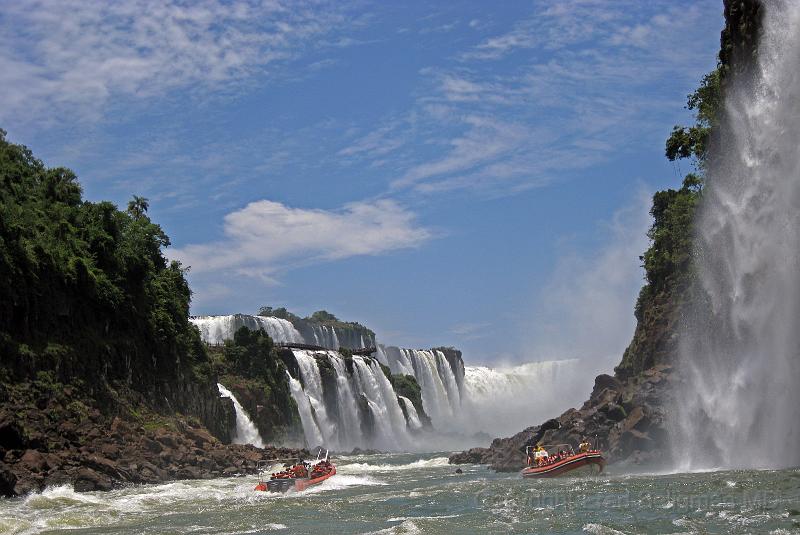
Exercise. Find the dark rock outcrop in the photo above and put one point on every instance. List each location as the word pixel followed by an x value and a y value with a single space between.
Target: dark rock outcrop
pixel 103 455
pixel 625 419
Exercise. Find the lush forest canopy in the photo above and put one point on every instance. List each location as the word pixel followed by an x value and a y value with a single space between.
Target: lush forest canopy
pixel 668 260
pixel 84 287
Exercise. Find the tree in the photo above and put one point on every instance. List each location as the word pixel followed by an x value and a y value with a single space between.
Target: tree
pixel 250 353
pixel 138 206
pixel 322 316
pixel 692 141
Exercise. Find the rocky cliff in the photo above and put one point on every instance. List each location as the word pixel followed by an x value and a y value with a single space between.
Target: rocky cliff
pixel 626 413
pixel 98 356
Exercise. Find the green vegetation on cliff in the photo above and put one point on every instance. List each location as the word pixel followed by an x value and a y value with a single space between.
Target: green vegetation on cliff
pixel 249 366
pixel 320 317
pixel 670 282
pixel 87 295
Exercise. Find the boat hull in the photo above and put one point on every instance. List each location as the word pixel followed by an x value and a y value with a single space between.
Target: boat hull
pixel 583 463
pixel 284 485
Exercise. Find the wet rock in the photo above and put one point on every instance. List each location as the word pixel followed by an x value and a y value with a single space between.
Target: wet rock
pixel 88 480
pixel 614 412
pixel 33 461
pixel 7 480
pixel 472 456
pixel 625 419
pixel 27 483
pixel 152 446
pixel 11 435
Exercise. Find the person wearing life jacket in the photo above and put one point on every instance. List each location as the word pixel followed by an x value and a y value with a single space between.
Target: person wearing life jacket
pixel 541 456
pixel 584 446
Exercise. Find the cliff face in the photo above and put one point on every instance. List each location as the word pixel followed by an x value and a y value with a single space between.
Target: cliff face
pixel 349 335
pixel 98 355
pixel 626 413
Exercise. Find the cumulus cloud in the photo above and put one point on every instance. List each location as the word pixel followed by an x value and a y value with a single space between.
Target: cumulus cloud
pixel 266 237
pixel 76 55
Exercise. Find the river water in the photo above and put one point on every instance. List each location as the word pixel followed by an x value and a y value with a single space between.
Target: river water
pixel 412 493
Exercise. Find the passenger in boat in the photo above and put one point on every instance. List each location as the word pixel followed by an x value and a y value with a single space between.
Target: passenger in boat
pixel 541 456
pixel 584 446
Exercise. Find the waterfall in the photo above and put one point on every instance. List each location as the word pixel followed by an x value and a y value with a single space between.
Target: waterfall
pixel 350 421
pixel 246 432
pixel 382 398
pixel 438 400
pixel 311 430
pixel 325 336
pixel 501 401
pixel 365 388
pixel 312 381
pixel 353 404
pixel 448 380
pixel 217 329
pixel 740 351
pixel 413 417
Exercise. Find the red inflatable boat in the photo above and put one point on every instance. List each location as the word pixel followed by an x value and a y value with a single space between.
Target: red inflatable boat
pixel 561 459
pixel 300 476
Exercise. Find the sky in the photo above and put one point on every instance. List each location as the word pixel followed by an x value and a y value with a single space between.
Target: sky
pixel 468 174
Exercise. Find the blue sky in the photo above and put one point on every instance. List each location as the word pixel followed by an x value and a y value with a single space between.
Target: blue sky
pixel 472 174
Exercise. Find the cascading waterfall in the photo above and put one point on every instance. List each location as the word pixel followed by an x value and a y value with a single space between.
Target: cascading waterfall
pixel 740 406
pixel 353 404
pixel 492 400
pixel 437 382
pixel 413 417
pixel 312 380
pixel 501 401
pixel 378 391
pixel 308 420
pixel 325 336
pixel 217 329
pixel 349 420
pixel 246 432
pixel 340 427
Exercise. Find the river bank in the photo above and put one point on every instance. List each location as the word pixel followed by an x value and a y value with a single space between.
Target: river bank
pixel 58 437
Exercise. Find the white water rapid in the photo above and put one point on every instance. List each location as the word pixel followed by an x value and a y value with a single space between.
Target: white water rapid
pixel 741 349
pixel 246 432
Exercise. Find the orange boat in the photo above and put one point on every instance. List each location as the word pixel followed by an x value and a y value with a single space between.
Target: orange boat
pixel 300 476
pixel 561 459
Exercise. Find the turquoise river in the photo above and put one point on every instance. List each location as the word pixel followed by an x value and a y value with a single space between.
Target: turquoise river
pixel 413 493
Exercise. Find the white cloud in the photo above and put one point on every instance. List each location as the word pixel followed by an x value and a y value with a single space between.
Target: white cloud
pixel 77 55
pixel 266 237
pixel 485 140
pixel 586 90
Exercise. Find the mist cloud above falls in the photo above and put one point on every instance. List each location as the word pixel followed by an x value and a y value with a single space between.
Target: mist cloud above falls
pixel 586 309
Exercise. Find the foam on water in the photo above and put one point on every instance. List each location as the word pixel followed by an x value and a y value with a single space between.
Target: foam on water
pixel 400 492
pixel 415 465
